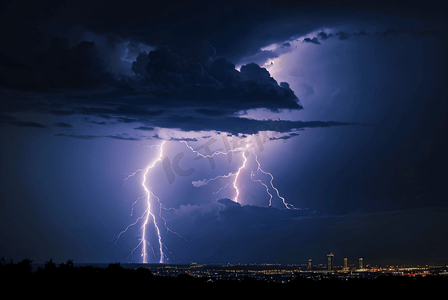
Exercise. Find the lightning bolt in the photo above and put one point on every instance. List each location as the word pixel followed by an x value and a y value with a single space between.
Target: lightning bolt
pixel 263 184
pixel 287 205
pixel 148 194
pixel 164 221
pixel 139 170
pixel 129 226
pixel 132 175
pixel 237 175
pixel 217 192
pixel 214 153
pixel 148 215
pixel 230 174
pixel 206 181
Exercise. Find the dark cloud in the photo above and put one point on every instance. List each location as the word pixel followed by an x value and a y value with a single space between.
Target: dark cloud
pixel 183 139
pixel 284 137
pixel 126 120
pixel 324 36
pixel 342 35
pixel 58 112
pixel 189 75
pixel 63 125
pixel 62 66
pixel 212 82
pixel 361 33
pixel 235 125
pixel 313 41
pixel 196 82
pixel 209 112
pixel 73 67
pixel 90 137
pixel 236 28
pixel 26 124
pixel 261 56
pixel 7 119
pixel 353 35
pixel 228 203
pixel 144 128
pixel 99 123
pixel 79 136
pixel 139 65
pixel 420 32
pixel 123 137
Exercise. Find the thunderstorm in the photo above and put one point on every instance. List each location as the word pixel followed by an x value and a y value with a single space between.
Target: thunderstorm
pixel 149 218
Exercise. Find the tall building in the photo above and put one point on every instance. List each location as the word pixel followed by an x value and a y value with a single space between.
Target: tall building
pixel 310 264
pixel 361 264
pixel 345 263
pixel 330 261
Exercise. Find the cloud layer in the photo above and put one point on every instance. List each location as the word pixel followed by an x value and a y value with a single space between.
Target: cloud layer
pixel 195 91
pixel 168 89
pixel 344 35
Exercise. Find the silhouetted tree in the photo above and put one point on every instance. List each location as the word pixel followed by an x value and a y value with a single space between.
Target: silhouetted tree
pixel 2 263
pixel 24 267
pixel 67 265
pixel 50 266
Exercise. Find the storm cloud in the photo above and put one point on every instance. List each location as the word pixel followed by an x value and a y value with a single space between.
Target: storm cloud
pixel 69 72
pixel 192 92
pixel 169 85
pixel 344 35
pixel 313 41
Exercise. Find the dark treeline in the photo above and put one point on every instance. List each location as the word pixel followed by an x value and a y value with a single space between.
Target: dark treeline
pixel 66 280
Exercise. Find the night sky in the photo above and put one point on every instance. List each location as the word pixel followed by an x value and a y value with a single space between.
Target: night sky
pixel 343 103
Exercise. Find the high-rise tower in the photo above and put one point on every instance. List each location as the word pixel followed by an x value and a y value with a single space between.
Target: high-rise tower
pixel 330 261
